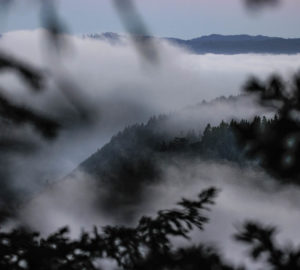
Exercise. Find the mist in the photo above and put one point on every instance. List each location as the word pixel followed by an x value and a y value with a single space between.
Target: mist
pixel 117 88
pixel 245 194
pixel 113 87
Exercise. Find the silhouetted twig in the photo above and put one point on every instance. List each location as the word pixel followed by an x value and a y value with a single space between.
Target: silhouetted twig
pixel 263 247
pixel 128 247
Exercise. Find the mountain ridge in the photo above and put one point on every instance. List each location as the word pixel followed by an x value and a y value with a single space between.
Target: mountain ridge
pixel 219 44
pixel 134 158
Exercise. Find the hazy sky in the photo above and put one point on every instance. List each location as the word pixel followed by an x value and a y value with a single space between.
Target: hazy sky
pixel 177 18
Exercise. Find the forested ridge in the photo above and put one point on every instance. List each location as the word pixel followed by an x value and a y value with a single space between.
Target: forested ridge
pixel 137 155
pixel 137 148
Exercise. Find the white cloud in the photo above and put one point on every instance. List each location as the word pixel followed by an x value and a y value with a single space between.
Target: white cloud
pixel 120 89
pixel 246 194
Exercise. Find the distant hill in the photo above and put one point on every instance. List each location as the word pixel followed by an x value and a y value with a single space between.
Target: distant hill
pixel 223 44
pixel 134 157
pixel 238 44
pixel 137 157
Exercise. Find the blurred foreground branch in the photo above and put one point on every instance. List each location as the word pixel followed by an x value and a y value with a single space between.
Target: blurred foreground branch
pixel 31 76
pixel 137 29
pixel 263 247
pixel 130 248
pixel 276 145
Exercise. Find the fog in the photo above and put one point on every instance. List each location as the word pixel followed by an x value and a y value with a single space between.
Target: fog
pixel 117 88
pixel 246 194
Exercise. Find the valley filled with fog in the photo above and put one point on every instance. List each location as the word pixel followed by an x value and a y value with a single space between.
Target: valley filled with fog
pixel 95 90
pixel 117 88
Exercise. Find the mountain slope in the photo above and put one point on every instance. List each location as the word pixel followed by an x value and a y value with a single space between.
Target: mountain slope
pixel 219 44
pixel 137 156
pixel 222 44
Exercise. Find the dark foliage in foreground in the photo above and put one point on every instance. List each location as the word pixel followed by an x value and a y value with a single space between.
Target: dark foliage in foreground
pixel 147 246
pixel 19 115
pixel 277 144
pixel 263 247
pixel 31 76
pixel 12 117
pixel 22 115
pixel 131 248
pixel 193 257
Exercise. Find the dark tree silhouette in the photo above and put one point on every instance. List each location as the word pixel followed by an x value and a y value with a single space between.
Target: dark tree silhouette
pixel 263 247
pixel 275 146
pixel 17 114
pixel 148 245
pixel 131 248
pixel 21 115
pixel 31 75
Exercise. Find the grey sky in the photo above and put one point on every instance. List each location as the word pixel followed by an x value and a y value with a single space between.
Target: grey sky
pixel 177 18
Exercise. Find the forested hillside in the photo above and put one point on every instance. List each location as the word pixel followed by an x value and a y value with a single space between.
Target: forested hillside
pixel 137 148
pixel 136 157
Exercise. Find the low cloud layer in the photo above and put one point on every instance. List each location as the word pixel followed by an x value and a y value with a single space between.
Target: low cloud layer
pixel 117 88
pixel 246 193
